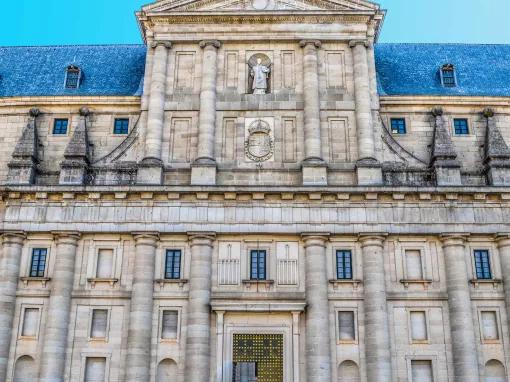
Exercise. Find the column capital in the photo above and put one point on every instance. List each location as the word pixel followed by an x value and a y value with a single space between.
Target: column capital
pixel 502 239
pixel 66 237
pixel 372 239
pixel 453 239
pixel 317 239
pixel 201 238
pixel 13 237
pixel 363 42
pixel 146 238
pixel 316 43
pixel 154 44
pixel 214 43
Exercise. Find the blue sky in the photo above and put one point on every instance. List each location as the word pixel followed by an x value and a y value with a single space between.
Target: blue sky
pixel 48 22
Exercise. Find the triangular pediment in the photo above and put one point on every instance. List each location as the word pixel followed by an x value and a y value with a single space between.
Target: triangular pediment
pixel 170 6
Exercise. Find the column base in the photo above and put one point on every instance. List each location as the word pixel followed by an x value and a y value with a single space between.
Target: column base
pixel 150 172
pixel 203 174
pixel 315 173
pixel 447 176
pixel 369 173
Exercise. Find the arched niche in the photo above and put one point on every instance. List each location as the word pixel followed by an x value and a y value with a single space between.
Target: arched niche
pixel 494 371
pixel 348 371
pixel 253 61
pixel 167 371
pixel 25 370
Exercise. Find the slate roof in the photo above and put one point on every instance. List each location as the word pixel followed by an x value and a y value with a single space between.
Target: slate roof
pixel 117 70
pixel 413 69
pixel 108 70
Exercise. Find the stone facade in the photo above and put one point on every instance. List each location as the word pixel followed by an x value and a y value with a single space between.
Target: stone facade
pixel 210 172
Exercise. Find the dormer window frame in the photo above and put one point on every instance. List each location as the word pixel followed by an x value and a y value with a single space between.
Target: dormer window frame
pixel 72 69
pixel 446 80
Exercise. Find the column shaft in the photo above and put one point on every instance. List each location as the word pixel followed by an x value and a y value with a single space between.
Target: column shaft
pixel 364 123
pixel 141 309
pixel 12 245
pixel 465 361
pixel 318 350
pixel 504 257
pixel 312 121
pixel 156 113
pixel 207 120
pixel 198 333
pixel 53 355
pixel 377 340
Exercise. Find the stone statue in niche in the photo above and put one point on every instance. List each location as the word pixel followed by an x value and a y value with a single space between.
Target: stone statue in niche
pixel 260 72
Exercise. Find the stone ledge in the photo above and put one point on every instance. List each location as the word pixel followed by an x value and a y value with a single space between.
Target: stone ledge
pixel 424 282
pixel 354 283
pixel 179 282
pixel 99 280
pixel 477 282
pixel 43 280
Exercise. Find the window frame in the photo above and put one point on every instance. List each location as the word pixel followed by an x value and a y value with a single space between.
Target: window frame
pixel 165 264
pixel 258 277
pixel 475 266
pixel 31 263
pixel 351 270
pixel 22 321
pixel 354 311
pixel 162 309
pixel 398 131
pixel 115 132
pixel 495 310
pixel 448 68
pixel 95 354
pixel 426 357
pixel 467 127
pixel 55 122
pixel 108 319
pixel 426 312
pixel 73 69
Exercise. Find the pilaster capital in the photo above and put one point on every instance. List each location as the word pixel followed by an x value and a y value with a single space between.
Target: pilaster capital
pixel 146 238
pixel 154 44
pixel 453 239
pixel 214 43
pixel 315 239
pixel 372 239
pixel 316 43
pixel 364 42
pixel 13 237
pixel 66 237
pixel 502 239
pixel 202 238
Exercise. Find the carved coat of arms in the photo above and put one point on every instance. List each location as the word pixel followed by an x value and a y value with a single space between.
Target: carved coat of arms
pixel 259 145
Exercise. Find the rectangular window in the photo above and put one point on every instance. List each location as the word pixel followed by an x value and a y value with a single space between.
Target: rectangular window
pixel 490 326
pixel 60 126
pixel 38 262
pixel 95 369
pixel 414 269
pixel 418 322
pixel 99 323
pixel 169 323
pixel 72 78
pixel 448 78
pixel 121 126
pixel 258 264
pixel 421 371
pixel 173 264
pixel 104 264
pixel 482 265
pixel 461 126
pixel 30 320
pixel 346 327
pixel 398 126
pixel 343 265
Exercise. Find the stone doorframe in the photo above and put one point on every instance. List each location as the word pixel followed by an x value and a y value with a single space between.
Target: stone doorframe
pixel 225 333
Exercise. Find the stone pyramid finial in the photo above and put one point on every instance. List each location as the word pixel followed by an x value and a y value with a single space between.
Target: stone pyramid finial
pixel 22 167
pixel 444 157
pixel 76 155
pixel 497 153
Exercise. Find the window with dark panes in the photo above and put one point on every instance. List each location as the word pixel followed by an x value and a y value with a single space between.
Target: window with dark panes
pixel 173 264
pixel 38 262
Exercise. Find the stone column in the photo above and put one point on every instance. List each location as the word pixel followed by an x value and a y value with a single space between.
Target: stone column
pixel 198 328
pixel 368 167
pixel 203 171
pixel 295 345
pixel 12 245
pixel 465 361
pixel 220 315
pixel 503 241
pixel 141 309
pixel 318 349
pixel 377 340
pixel 151 167
pixel 53 355
pixel 314 168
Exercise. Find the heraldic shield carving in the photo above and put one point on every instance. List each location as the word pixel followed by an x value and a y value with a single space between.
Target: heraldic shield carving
pixel 259 146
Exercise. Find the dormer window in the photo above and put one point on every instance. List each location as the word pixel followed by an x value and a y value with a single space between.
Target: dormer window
pixel 448 76
pixel 73 77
